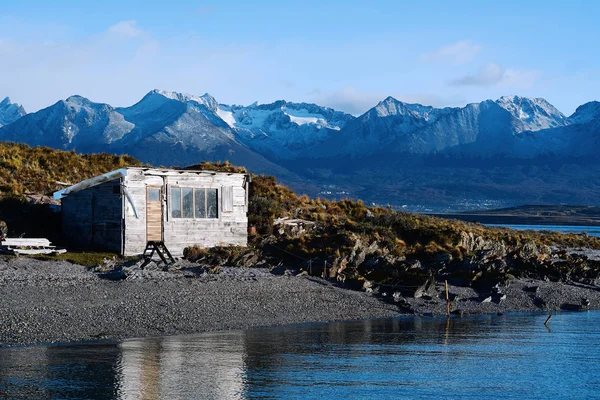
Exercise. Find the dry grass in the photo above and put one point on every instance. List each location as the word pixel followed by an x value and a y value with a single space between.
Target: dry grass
pixel 400 232
pixel 25 169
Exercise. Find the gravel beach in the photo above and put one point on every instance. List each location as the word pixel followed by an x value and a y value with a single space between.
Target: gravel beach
pixel 55 301
pixel 48 301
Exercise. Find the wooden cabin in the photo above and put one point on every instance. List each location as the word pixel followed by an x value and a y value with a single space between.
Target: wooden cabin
pixel 121 211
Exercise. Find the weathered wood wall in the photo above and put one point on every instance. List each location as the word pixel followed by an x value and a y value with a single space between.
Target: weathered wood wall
pixel 230 228
pixel 92 217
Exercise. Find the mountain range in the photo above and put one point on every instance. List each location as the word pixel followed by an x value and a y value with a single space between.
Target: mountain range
pixel 509 151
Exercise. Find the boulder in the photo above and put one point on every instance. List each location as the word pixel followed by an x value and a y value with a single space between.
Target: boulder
pixel 360 251
pixel 427 289
pixel 278 270
pixel 3 230
pixel 414 264
pixel 486 249
pixel 532 289
pixel 398 298
pixel 249 259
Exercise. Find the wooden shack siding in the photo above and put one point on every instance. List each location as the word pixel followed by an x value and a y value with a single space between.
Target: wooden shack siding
pixel 92 217
pixel 107 214
pixel 239 196
pixel 77 219
pixel 230 228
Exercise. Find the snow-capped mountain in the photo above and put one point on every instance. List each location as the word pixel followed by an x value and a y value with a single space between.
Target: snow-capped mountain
pixel 164 128
pixel 74 123
pixel 391 125
pixel 199 126
pixel 283 129
pixel 10 112
pixel 535 114
pixel 400 128
pixel 178 129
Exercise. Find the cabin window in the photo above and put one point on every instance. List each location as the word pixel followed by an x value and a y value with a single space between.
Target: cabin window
pixel 153 194
pixel 187 202
pixel 200 199
pixel 211 203
pixel 194 203
pixel 176 202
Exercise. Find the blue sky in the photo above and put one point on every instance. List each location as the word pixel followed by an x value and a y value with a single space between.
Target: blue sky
pixel 345 54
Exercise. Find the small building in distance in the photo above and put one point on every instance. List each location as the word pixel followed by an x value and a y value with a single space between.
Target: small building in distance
pixel 121 211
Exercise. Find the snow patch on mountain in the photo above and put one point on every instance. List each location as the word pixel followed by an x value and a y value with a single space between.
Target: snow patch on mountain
pixel 206 99
pixel 255 116
pixel 226 115
pixel 282 129
pixel 535 114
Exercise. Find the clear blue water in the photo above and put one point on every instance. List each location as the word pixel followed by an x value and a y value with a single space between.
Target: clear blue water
pixel 590 230
pixel 512 356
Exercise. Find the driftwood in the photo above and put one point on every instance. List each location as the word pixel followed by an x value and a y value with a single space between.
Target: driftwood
pixel 29 246
pixel 25 242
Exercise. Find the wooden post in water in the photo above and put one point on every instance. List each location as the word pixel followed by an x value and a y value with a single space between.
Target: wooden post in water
pixel 447 299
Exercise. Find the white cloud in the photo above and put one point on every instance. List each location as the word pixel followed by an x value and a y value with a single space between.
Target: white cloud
pixel 462 52
pixel 353 101
pixel 489 74
pixel 349 99
pixel 520 78
pixel 126 29
pixel 494 74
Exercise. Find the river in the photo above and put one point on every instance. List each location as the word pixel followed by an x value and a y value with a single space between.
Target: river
pixel 511 356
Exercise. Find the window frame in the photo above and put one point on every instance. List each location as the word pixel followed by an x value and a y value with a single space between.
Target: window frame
pixel 193 189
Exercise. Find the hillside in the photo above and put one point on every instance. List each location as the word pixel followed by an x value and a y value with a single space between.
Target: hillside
pixel 42 170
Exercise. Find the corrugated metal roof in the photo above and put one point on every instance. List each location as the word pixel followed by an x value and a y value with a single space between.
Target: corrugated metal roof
pixel 119 173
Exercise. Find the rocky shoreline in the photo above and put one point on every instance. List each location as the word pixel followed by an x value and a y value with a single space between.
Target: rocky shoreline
pixel 55 301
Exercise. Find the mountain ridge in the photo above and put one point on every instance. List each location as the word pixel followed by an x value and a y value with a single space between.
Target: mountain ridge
pixel 307 145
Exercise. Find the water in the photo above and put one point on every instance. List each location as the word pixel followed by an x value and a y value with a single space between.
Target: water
pixel 481 357
pixel 591 230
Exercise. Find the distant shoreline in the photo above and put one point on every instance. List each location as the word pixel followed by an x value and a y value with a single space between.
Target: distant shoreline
pixel 531 215
pixel 55 302
pixel 518 220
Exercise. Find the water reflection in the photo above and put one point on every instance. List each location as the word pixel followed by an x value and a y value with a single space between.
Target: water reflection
pixel 412 357
pixel 159 368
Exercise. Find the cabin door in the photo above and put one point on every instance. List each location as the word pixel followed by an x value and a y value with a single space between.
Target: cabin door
pixel 154 217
